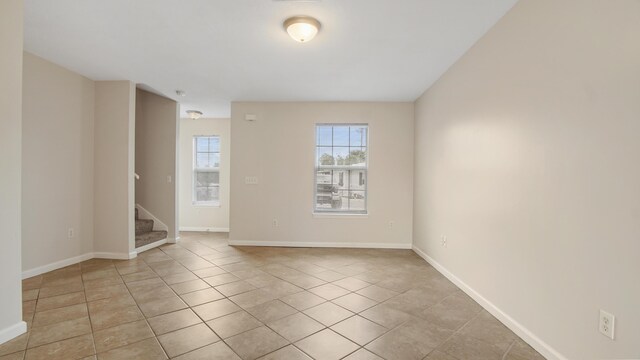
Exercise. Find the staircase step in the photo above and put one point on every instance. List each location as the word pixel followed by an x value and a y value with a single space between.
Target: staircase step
pixel 136 210
pixel 143 226
pixel 150 237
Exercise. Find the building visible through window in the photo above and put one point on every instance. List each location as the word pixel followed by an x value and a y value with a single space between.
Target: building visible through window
pixel 341 168
pixel 206 170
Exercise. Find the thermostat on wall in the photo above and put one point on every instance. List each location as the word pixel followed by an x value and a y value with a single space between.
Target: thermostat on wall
pixel 250 117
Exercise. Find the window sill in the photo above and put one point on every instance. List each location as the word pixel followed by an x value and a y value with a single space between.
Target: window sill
pixel 205 205
pixel 328 215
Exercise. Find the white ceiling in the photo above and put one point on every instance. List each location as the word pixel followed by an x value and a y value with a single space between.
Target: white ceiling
pixel 220 51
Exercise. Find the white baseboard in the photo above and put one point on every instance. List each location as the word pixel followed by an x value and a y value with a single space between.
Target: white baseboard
pixel 524 333
pixel 203 229
pixel 76 259
pixel 154 244
pixel 115 256
pixel 56 265
pixel 173 240
pixel 12 331
pixel 145 214
pixel 319 244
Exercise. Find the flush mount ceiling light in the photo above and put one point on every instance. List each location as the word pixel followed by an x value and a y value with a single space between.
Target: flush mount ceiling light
pixel 194 114
pixel 302 28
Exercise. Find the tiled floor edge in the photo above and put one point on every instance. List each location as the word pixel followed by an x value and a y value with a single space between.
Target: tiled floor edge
pixel 56 265
pixel 152 245
pixel 75 260
pixel 119 293
pixel 529 337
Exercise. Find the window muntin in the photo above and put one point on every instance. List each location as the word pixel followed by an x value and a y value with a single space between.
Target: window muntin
pixel 341 168
pixel 206 170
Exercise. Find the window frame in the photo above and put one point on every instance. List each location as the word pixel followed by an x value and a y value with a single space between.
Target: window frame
pixel 347 168
pixel 195 170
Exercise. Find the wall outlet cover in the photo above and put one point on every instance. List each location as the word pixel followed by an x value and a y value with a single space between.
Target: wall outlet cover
pixel 607 324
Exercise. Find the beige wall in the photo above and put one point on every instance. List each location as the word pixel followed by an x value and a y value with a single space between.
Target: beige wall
pixel 195 217
pixel 528 160
pixel 114 136
pixel 11 20
pixel 156 137
pixel 78 167
pixel 57 157
pixel 279 148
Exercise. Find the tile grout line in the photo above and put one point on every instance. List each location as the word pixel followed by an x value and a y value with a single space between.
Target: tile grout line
pixel 84 290
pixel 224 297
pixel 418 317
pixel 504 356
pixel 189 306
pixel 155 336
pixel 457 332
pixel 227 298
pixel 37 300
pixel 187 257
pixel 121 277
pixel 267 326
pixel 331 301
pixel 143 315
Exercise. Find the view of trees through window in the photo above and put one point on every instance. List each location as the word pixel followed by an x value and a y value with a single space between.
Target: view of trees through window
pixel 354 157
pixel 206 170
pixel 341 168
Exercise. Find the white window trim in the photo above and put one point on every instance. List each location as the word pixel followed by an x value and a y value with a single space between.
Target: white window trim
pixel 329 213
pixel 340 215
pixel 194 170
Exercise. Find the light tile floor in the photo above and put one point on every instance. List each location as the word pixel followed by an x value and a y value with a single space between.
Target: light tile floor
pixel 203 299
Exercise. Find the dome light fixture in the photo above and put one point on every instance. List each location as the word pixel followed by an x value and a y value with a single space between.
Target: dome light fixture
pixel 194 114
pixel 302 28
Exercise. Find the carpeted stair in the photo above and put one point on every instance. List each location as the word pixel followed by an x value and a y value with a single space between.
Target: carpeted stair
pixel 144 232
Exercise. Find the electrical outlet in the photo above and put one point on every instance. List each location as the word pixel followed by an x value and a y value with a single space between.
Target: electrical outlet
pixel 169 179
pixel 391 224
pixel 443 240
pixel 607 324
pixel 274 223
pixel 71 233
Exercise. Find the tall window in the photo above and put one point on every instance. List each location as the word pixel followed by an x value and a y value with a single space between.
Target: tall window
pixel 341 168
pixel 206 170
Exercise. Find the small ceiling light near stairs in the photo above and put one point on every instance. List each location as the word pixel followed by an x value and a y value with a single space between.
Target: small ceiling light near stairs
pixel 194 114
pixel 302 28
